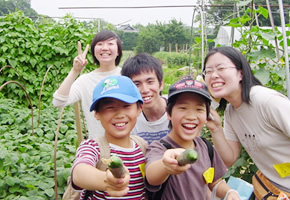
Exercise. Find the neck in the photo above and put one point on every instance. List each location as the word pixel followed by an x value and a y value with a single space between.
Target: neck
pixel 156 112
pixel 124 142
pixel 104 67
pixel 186 144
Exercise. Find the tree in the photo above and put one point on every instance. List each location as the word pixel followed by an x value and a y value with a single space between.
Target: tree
pixel 9 6
pixel 218 15
pixel 153 37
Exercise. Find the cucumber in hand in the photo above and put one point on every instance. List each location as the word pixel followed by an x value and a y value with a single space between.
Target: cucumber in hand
pixel 189 156
pixel 115 165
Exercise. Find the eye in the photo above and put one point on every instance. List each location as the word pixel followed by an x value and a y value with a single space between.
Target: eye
pixel 109 107
pixel 128 105
pixel 208 71
pixel 221 68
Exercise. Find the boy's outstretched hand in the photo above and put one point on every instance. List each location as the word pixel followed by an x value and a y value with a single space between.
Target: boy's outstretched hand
pixel 170 162
pixel 233 195
pixel 117 187
pixel 80 60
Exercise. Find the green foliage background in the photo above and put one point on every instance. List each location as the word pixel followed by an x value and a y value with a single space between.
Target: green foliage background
pixel 42 53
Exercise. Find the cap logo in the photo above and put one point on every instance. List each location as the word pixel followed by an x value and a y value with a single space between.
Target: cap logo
pixel 189 84
pixel 110 84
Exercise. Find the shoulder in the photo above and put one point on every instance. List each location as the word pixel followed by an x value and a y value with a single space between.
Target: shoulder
pixel 264 95
pixel 89 144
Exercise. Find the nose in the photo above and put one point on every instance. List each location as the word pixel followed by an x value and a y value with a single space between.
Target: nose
pixel 191 114
pixel 144 88
pixel 104 46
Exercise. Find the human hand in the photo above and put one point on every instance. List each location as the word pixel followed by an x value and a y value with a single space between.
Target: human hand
pixel 232 195
pixel 80 60
pixel 215 122
pixel 117 187
pixel 170 162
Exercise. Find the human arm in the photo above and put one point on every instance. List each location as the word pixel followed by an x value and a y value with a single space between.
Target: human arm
pixel 223 190
pixel 158 171
pixel 90 178
pixel 79 63
pixel 227 149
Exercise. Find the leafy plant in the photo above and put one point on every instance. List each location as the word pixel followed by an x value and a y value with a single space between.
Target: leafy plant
pixel 33 48
pixel 26 160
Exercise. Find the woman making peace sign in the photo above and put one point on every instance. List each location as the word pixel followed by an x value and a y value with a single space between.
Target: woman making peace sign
pixel 106 49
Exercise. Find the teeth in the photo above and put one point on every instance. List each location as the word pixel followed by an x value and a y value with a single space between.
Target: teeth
pixel 217 85
pixel 105 54
pixel 120 124
pixel 147 98
pixel 189 125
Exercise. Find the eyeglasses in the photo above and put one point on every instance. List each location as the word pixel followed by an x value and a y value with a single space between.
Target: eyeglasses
pixel 219 69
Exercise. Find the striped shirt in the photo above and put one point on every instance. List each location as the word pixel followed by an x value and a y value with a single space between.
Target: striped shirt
pixel 89 153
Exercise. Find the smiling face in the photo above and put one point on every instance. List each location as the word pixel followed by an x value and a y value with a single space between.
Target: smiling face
pixel 149 87
pixel 117 117
pixel 225 83
pixel 106 51
pixel 188 117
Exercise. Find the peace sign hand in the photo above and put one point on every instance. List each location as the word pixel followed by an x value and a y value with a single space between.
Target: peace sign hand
pixel 80 60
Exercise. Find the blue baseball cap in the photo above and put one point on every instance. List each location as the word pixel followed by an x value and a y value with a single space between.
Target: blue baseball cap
pixel 117 87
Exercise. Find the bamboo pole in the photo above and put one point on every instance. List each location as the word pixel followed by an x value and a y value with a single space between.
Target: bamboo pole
pixel 281 9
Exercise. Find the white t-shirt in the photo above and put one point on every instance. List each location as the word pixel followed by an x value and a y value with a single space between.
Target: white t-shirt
pixel 263 129
pixel 151 131
pixel 82 90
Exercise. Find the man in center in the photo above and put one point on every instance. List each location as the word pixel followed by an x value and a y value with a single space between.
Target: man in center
pixel 147 74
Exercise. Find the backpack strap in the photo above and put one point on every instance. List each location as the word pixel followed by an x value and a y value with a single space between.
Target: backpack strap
pixel 105 148
pixel 210 150
pixel 140 141
pixel 104 151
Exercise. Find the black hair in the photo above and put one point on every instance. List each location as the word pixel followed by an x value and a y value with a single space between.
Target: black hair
pixel 102 36
pixel 101 101
pixel 240 62
pixel 142 62
pixel 173 100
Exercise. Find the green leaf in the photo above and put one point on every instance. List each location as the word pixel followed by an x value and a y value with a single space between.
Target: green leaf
pixel 263 75
pixel 12 181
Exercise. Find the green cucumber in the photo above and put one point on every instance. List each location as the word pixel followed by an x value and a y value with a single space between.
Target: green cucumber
pixel 188 156
pixel 115 165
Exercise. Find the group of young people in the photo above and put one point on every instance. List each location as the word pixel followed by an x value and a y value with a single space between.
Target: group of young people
pixel 118 102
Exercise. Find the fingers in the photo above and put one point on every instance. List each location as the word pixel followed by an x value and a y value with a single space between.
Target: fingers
pixel 86 50
pixel 117 186
pixel 79 48
pixel 170 162
pixel 83 54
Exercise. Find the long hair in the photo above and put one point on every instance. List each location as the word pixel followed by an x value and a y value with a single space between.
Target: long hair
pixel 239 60
pixel 102 36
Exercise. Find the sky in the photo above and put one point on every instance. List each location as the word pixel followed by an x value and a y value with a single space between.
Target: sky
pixel 55 8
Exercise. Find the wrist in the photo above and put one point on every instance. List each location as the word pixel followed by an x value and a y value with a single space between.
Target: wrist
pixel 229 191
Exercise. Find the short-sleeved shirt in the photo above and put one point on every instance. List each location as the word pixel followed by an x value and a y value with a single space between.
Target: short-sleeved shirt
pixel 151 131
pixel 191 184
pixel 263 129
pixel 133 158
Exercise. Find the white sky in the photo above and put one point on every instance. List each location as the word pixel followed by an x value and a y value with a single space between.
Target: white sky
pixel 118 16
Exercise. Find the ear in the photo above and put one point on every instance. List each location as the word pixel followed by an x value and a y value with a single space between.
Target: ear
pixel 96 115
pixel 241 75
pixel 168 116
pixel 139 110
pixel 161 85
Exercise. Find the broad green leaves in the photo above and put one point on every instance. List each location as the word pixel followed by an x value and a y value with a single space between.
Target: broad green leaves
pixel 26 160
